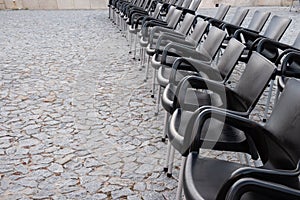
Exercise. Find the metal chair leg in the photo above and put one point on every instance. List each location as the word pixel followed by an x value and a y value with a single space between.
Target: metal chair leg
pixel 166 126
pixel 180 180
pixel 147 69
pixel 171 161
pixel 268 100
pixel 135 41
pixel 158 100
pixel 166 168
pixel 153 82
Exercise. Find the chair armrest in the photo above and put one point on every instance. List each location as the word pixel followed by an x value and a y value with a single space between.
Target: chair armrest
pixel 177 66
pixel 152 23
pixel 216 22
pixel 158 31
pixel 202 16
pixel 169 37
pixel 180 50
pixel 248 35
pixel 274 190
pixel 196 82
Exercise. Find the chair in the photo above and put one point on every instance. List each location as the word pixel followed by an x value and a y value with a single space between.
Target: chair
pixel 275 51
pixel 241 100
pixel 218 72
pixel 275 30
pixel 170 22
pixel 277 144
pixel 206 52
pixel 182 31
pixel 191 40
pixel 236 20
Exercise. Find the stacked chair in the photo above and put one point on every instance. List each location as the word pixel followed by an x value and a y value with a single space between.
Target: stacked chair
pixel 193 57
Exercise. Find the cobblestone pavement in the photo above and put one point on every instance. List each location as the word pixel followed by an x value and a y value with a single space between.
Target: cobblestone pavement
pixel 77 120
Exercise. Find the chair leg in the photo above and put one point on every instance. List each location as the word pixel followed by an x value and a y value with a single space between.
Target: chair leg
pixel 180 180
pixel 135 41
pixel 130 41
pixel 147 69
pixel 153 82
pixel 171 161
pixel 158 100
pixel 166 168
pixel 268 100
pixel 166 126
pixel 141 58
pixel 277 95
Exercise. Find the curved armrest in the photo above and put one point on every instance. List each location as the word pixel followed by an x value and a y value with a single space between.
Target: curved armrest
pixel 248 35
pixel 202 16
pixel 276 190
pixel 159 31
pixel 177 66
pixel 195 66
pixel 216 22
pixel 169 37
pixel 152 23
pixel 198 83
pixel 182 50
pixel 135 19
pixel 186 10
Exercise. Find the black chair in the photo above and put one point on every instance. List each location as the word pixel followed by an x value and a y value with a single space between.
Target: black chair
pixel 206 52
pixel 275 52
pixel 157 31
pixel 218 72
pixel 277 143
pixel 275 30
pixel 198 93
pixel 192 40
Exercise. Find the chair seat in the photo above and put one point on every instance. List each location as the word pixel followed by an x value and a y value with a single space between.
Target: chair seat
pixel 164 74
pixel 231 138
pixel 207 176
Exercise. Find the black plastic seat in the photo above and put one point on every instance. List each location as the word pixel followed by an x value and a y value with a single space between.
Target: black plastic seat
pixel 277 144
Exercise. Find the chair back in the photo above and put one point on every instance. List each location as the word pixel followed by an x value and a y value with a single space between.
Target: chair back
pixel 194 5
pixel 186 3
pixel 199 30
pixel 239 16
pixel 230 57
pixel 179 3
pixel 186 23
pixel 284 124
pixel 212 43
pixel 222 11
pixel 277 27
pixel 258 20
pixel 158 7
pixel 174 17
pixel 255 78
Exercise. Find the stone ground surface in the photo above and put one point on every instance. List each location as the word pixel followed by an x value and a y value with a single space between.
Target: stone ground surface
pixel 77 120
